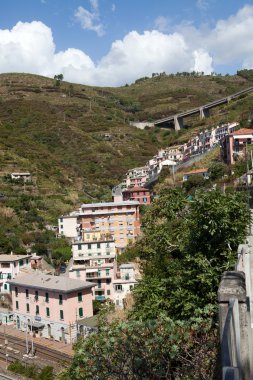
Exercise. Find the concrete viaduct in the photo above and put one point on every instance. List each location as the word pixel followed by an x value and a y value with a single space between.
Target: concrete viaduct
pixel 203 111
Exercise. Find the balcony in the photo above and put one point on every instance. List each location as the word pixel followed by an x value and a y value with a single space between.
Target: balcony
pixel 92 275
pixel 100 298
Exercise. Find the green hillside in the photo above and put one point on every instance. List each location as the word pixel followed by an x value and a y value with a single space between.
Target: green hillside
pixel 77 142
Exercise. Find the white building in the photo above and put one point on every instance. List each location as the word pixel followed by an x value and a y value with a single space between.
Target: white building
pixel 67 225
pixel 10 266
pixel 124 285
pixel 94 260
pixel 26 176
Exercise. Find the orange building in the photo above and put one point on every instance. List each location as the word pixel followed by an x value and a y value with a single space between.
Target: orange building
pixel 119 219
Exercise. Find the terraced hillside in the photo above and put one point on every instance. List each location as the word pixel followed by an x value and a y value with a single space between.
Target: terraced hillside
pixel 77 142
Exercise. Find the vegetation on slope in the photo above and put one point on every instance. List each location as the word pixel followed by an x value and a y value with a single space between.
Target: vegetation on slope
pixel 171 331
pixel 77 143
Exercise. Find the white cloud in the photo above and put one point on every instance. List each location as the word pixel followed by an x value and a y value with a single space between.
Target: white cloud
pixel 202 61
pixel 90 20
pixel 29 47
pixel 113 7
pixel 162 23
pixel 202 4
pixel 94 4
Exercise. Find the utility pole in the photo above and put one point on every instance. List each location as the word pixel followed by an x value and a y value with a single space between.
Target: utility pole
pixel 26 338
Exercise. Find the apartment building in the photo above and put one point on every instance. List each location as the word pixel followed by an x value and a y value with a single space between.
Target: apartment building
pixel 67 225
pixel 139 194
pixel 50 306
pixel 137 177
pixel 124 284
pixel 94 260
pixel 10 266
pixel 233 145
pixel 175 153
pixel 119 219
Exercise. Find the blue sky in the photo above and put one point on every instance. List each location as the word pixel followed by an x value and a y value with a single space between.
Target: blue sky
pixel 112 42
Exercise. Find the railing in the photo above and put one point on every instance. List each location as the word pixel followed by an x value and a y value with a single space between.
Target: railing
pixel 230 344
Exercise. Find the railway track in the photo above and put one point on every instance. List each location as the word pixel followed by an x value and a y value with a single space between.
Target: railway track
pixel 17 350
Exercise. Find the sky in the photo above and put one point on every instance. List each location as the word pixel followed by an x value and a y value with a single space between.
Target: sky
pixel 114 42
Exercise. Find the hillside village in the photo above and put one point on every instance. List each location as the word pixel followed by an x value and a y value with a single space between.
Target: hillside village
pixel 56 305
pixel 61 307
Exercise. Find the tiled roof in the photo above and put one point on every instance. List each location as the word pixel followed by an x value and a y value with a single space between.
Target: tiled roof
pixel 10 257
pixel 110 204
pixel 197 171
pixel 136 189
pixel 243 131
pixel 42 281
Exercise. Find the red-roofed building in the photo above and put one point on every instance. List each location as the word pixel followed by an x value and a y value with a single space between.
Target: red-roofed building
pixel 233 145
pixel 139 194
pixel 203 172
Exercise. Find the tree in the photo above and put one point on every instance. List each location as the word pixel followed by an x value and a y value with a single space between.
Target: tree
pixel 154 349
pixel 185 248
pixel 195 181
pixel 216 170
pixel 58 79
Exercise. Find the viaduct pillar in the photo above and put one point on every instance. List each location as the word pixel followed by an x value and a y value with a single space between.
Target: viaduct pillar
pixel 178 123
pixel 203 112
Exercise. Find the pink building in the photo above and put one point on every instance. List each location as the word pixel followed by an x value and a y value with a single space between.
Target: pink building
pixel 50 306
pixel 139 194
pixel 10 266
pixel 233 145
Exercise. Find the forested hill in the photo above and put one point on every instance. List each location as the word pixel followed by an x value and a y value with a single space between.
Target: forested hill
pixel 76 140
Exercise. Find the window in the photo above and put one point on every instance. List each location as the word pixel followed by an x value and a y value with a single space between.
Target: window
pixel 61 220
pixel 107 272
pixel 5 287
pixel 79 246
pixel 21 263
pixel 99 273
pixel 99 283
pixel 80 312
pixel 5 265
pixel 118 288
pixel 89 246
pixel 27 308
pixel 27 293
pixel 61 315
pixel 98 245
pixel 108 281
pixel 16 291
pixel 26 261
pixel 36 295
pixel 144 200
pixel 47 312
pixel 37 310
pixel 61 226
pixel 108 292
pixel 131 287
pixel 78 273
pixel 60 299
pixel 47 297
pixel 80 297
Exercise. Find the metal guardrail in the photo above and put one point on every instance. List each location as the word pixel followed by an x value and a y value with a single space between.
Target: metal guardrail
pixel 230 344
